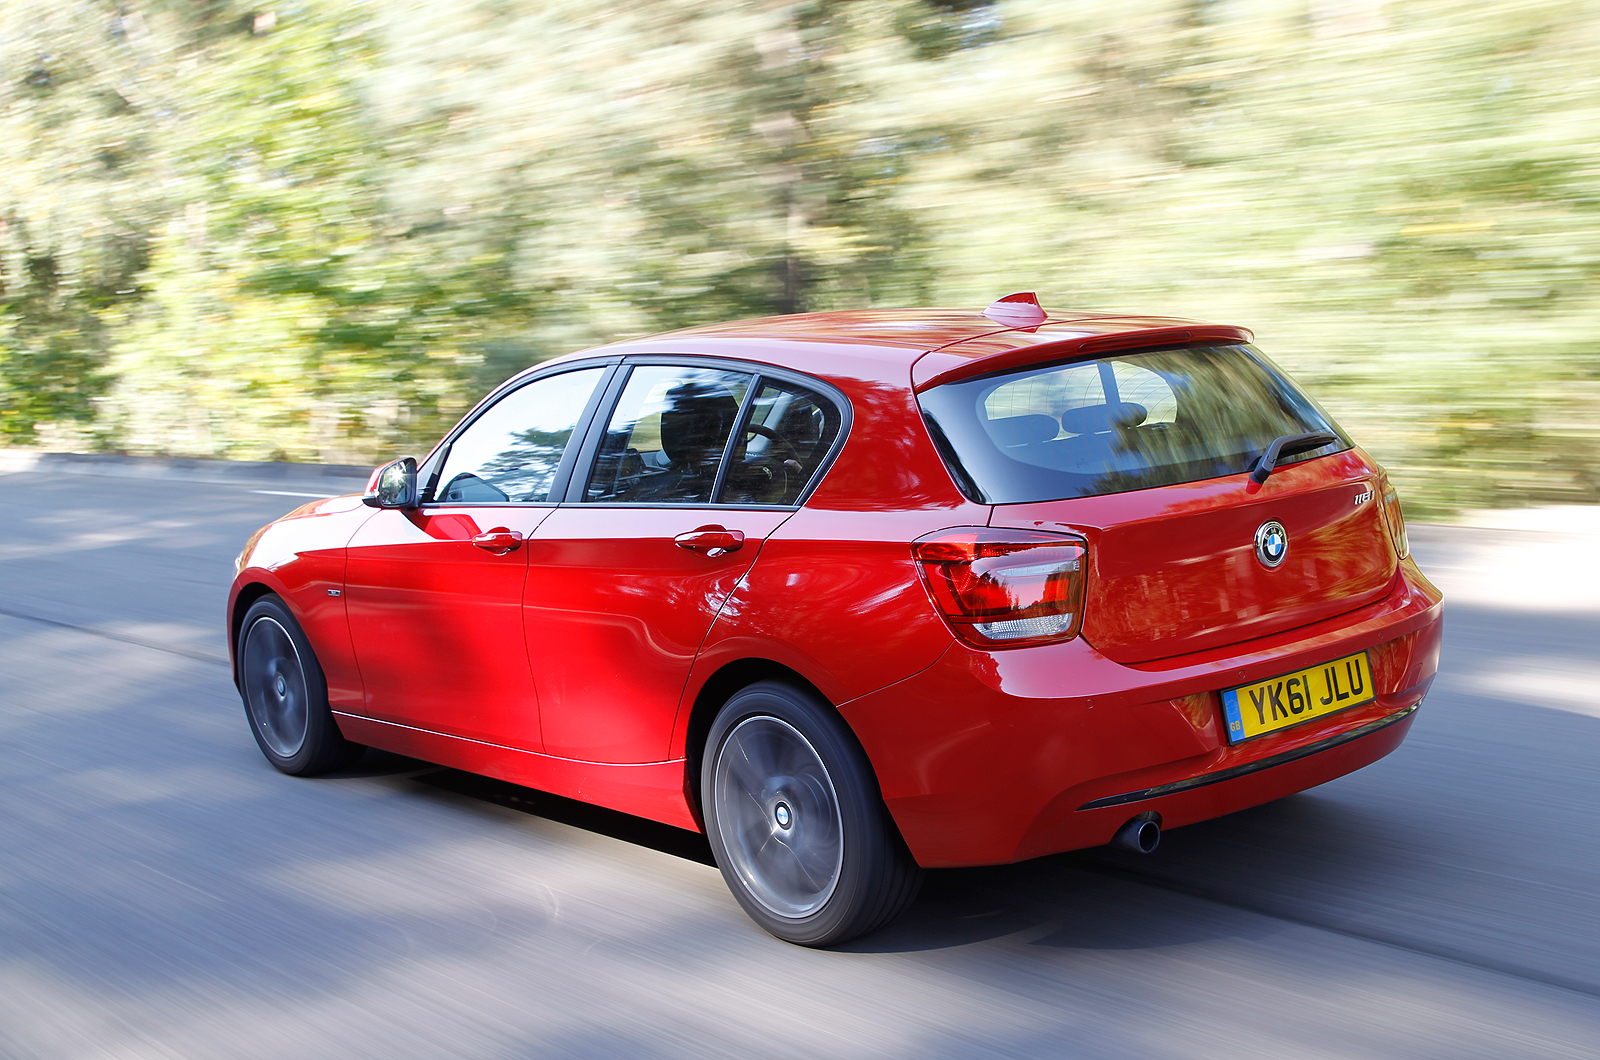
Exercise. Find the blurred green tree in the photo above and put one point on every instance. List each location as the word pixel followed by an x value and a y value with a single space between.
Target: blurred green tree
pixel 288 310
pixel 321 230
pixel 78 197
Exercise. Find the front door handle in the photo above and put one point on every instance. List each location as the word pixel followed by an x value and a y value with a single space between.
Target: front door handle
pixel 499 540
pixel 711 540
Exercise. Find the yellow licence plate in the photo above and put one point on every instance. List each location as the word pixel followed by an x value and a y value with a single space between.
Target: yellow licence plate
pixel 1292 699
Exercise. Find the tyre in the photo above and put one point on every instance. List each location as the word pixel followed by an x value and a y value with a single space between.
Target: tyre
pixel 285 695
pixel 796 822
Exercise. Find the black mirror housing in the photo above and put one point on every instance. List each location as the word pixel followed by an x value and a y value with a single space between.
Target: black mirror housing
pixel 394 486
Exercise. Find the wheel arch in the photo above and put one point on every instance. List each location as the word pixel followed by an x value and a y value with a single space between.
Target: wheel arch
pixel 717 690
pixel 248 594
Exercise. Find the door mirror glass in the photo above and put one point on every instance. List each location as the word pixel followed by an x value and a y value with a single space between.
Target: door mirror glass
pixel 396 486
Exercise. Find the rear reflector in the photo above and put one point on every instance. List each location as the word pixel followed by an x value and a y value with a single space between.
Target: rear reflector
pixel 1005 588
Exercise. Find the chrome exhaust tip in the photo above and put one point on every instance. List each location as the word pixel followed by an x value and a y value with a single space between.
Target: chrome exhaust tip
pixel 1141 835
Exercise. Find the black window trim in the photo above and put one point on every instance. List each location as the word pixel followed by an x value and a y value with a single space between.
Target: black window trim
pixel 759 373
pixel 429 471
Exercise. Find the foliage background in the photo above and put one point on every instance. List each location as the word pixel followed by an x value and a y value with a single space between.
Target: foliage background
pixel 320 230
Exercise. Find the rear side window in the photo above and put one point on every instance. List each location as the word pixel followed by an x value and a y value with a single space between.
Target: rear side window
pixel 690 435
pixel 666 438
pixel 1125 422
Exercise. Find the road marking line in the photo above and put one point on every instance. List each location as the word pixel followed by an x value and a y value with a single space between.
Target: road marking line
pixel 290 493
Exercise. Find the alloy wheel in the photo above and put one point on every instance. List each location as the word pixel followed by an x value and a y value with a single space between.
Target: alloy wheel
pixel 778 816
pixel 274 685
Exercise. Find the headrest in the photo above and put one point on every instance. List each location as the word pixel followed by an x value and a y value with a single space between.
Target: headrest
pixel 697 421
pixel 1023 430
pixel 1096 419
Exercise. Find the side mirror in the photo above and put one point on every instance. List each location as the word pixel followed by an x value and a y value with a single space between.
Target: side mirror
pixel 393 485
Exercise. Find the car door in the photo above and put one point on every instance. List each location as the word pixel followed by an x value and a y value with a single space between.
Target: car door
pixel 434 593
pixel 684 482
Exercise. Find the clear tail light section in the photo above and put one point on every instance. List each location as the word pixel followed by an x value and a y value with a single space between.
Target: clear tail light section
pixel 1393 517
pixel 1003 588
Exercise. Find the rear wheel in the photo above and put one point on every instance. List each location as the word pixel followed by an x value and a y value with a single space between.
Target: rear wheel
pixel 796 822
pixel 285 695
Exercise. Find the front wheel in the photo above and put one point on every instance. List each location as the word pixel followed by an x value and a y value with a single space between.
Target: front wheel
pixel 796 822
pixel 285 695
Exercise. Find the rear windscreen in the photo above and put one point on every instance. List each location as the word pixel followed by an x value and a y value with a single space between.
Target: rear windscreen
pixel 1125 422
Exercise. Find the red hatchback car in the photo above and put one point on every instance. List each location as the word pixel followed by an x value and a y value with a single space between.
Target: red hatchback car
pixel 861 593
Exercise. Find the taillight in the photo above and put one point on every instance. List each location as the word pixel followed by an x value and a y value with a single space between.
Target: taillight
pixel 1005 588
pixel 1395 519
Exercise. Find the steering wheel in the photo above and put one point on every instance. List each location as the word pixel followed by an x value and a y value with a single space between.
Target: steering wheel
pixel 775 437
pixel 767 475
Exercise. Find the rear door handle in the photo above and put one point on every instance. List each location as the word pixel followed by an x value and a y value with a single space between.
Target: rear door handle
pixel 711 540
pixel 499 540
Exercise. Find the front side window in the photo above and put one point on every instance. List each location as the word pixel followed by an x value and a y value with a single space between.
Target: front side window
pixel 666 438
pixel 1125 422
pixel 511 452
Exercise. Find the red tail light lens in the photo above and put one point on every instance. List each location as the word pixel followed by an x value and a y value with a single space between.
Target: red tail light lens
pixel 1005 588
pixel 1395 519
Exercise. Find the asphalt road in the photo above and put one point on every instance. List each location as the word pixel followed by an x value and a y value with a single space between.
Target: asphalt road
pixel 165 893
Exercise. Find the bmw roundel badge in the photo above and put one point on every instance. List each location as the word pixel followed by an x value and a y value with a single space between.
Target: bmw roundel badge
pixel 1272 543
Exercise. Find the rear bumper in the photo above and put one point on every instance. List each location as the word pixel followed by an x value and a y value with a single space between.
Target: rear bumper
pixel 993 757
pixel 1259 765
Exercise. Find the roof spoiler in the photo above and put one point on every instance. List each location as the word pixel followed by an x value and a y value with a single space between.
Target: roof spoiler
pixel 1079 345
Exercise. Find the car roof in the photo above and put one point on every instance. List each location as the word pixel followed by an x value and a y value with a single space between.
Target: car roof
pixel 932 345
pixel 922 330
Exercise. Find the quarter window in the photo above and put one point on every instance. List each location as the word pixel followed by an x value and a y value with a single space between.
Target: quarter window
pixel 511 452
pixel 789 431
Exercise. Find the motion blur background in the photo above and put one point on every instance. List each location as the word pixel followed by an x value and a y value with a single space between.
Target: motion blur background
pixel 319 230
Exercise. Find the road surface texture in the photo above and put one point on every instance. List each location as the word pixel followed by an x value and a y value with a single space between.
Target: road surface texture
pixel 164 893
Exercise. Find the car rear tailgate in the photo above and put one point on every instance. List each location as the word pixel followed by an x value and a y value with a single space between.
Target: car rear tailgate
pixel 1174 570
